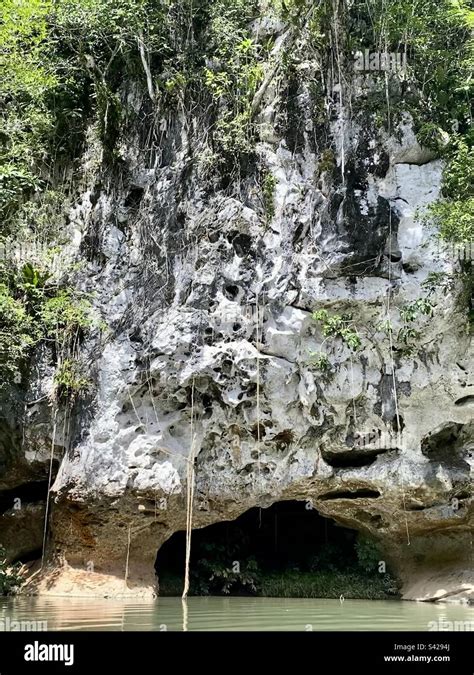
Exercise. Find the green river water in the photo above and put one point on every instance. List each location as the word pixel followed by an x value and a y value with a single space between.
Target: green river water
pixel 234 614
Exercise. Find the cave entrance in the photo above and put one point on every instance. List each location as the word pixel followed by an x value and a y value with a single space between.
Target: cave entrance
pixel 286 549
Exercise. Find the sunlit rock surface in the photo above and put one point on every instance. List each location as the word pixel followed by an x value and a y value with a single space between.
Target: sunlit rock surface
pixel 209 300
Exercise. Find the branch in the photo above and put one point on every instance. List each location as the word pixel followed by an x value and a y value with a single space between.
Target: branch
pixel 146 66
pixel 290 37
pixel 260 93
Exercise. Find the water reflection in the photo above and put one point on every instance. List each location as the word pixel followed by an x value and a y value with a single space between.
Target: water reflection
pixel 234 614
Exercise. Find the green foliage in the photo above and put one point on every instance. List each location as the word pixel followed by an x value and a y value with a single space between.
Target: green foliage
pixel 437 281
pixel 217 576
pixel 334 326
pixel 342 327
pixel 328 558
pixel 45 213
pixel 175 84
pixel 95 44
pixel 10 577
pixel 14 182
pixel 321 361
pixel 233 80
pixel 409 313
pixel 320 568
pixel 458 174
pixel 368 554
pixel 385 326
pixel 436 35
pixel 218 83
pixel 297 584
pixel 454 220
pixel 69 380
pixel 368 559
pixel 326 574
pixel 327 584
pixel 437 38
pixel 110 114
pixel 453 217
pixel 234 133
pixel 102 26
pixel 17 334
pixel 411 310
pixel 453 214
pixel 61 59
pixel 289 10
pixel 65 62
pixel 23 32
pixel 430 135
pixel 32 310
pixel 32 282
pixel 328 161
pixel 215 571
pixel 67 314
pixel 26 82
pixel 339 327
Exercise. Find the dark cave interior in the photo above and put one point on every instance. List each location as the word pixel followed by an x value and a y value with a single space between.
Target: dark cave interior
pixel 288 536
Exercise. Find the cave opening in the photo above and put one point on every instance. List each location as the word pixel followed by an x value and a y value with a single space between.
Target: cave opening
pixel 285 549
pixel 28 493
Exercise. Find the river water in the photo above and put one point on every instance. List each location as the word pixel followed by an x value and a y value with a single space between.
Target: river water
pixel 233 614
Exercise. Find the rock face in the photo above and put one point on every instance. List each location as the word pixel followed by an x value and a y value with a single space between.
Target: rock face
pixel 208 290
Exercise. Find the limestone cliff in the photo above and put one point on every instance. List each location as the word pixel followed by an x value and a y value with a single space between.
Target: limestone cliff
pixel 208 284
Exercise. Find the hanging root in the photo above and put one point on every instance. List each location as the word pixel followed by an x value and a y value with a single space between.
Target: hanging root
pixel 128 554
pixel 352 391
pixel 50 477
pixel 189 500
pixel 184 605
pixel 257 340
pixel 392 365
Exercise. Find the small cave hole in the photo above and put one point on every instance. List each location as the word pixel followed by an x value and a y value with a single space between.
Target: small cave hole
pixel 464 400
pixel 415 507
pixel 350 494
pixel 28 557
pixel 258 430
pixel 242 244
pixel 135 335
pixel 134 197
pixel 283 439
pixel 398 424
pixel 410 267
pixel 207 405
pixel 352 458
pixel 395 256
pixel 231 291
pixel 28 493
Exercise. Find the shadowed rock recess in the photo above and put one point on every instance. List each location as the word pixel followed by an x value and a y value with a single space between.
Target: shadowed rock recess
pixel 208 283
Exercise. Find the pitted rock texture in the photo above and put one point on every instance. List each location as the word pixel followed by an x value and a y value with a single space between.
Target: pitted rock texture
pixel 209 299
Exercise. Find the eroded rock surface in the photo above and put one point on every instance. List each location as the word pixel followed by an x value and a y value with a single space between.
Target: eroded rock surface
pixel 209 299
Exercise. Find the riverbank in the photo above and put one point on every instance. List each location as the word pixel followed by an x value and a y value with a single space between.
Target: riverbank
pixel 294 584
